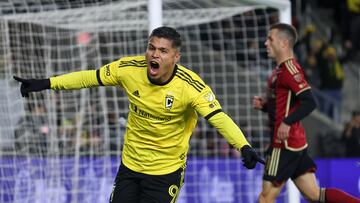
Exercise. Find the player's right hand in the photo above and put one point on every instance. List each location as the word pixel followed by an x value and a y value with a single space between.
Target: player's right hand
pixel 32 85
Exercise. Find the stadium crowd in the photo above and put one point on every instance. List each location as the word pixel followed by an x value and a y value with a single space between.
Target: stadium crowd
pixel 325 55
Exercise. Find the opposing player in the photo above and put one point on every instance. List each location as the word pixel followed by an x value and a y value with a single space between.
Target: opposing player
pixel 289 100
pixel 164 98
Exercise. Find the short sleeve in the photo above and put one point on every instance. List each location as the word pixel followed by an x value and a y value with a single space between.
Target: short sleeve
pixel 293 78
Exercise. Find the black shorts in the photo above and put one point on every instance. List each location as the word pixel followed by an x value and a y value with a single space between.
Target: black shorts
pixel 134 187
pixel 282 164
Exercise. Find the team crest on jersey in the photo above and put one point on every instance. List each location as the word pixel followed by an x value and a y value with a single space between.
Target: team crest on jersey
pixel 209 97
pixel 298 77
pixel 169 101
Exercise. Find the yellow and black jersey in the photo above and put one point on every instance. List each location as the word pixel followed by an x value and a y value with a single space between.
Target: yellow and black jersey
pixel 161 117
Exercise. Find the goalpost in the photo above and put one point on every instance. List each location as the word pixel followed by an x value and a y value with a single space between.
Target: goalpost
pixel 66 146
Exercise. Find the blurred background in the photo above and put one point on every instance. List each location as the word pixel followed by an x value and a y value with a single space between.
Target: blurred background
pixel 66 146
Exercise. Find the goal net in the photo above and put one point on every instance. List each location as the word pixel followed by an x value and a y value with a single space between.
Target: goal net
pixel 65 146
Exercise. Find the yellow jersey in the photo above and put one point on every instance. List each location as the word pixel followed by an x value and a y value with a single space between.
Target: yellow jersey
pixel 161 117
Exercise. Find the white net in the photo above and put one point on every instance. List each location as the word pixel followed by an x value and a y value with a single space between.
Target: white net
pixel 66 146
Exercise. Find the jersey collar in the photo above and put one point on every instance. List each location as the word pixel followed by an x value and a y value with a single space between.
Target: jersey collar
pixel 288 59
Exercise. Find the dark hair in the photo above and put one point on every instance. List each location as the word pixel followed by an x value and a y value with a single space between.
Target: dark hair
pixel 288 30
pixel 167 33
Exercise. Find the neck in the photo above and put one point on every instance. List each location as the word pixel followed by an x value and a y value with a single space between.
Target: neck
pixel 284 56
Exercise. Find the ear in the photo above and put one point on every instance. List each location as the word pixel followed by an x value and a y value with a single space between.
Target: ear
pixel 177 56
pixel 285 43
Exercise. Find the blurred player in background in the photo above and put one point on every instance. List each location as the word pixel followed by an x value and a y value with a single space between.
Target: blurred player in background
pixel 289 100
pixel 164 98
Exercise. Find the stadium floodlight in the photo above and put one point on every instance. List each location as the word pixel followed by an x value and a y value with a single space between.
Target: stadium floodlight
pixel 66 146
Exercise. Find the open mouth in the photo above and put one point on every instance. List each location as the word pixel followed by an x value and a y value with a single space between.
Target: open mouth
pixel 154 67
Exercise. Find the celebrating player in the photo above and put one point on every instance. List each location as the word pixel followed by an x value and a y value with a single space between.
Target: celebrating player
pixel 164 98
pixel 289 100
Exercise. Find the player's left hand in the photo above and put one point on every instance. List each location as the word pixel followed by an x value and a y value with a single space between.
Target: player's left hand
pixel 250 157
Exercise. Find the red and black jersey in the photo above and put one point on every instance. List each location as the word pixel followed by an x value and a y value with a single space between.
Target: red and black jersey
pixel 285 82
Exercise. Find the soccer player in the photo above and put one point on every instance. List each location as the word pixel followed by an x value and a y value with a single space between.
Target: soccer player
pixel 164 98
pixel 288 100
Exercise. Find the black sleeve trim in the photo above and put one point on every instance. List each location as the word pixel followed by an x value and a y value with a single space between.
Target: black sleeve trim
pixel 307 105
pixel 47 83
pixel 98 77
pixel 207 117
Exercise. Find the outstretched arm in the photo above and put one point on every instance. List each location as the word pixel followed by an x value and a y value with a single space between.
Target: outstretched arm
pixel 74 80
pixel 232 133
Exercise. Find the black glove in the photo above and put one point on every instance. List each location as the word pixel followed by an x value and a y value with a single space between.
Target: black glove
pixel 250 158
pixel 32 85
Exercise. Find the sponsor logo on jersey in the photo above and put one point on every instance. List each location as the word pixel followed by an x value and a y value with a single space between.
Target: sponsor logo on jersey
pixel 148 115
pixel 136 93
pixel 169 101
pixel 107 70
